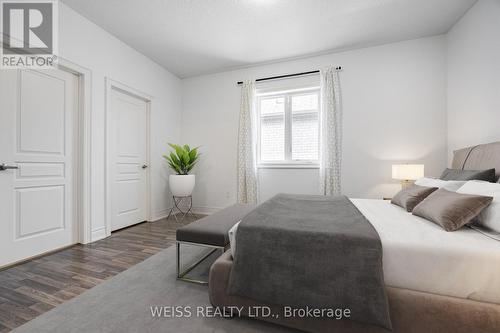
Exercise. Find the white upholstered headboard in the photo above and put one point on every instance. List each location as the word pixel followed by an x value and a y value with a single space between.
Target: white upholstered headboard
pixel 480 157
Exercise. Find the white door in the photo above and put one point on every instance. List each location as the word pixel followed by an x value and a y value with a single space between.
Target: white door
pixel 37 135
pixel 127 166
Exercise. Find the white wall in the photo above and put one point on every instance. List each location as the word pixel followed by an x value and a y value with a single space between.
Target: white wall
pixel 87 45
pixel 394 108
pixel 473 57
pixel 394 100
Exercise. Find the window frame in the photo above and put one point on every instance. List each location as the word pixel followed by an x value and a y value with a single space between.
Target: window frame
pixel 287 163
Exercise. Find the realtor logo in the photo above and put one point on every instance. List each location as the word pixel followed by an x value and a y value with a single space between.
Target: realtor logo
pixel 29 33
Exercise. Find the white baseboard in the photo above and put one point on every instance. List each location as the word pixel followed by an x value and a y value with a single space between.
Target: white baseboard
pixel 160 214
pixel 204 210
pixel 98 233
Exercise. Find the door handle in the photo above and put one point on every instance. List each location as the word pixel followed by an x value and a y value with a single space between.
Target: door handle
pixel 4 166
pixel 144 166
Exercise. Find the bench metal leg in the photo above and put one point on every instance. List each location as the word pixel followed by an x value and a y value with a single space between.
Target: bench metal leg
pixel 182 275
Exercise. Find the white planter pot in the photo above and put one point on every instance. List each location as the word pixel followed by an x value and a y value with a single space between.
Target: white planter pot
pixel 181 185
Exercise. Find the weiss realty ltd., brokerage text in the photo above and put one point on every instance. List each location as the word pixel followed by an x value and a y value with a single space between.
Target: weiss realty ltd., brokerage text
pixel 162 311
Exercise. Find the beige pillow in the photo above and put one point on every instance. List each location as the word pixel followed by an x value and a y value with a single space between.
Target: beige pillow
pixel 411 196
pixel 451 210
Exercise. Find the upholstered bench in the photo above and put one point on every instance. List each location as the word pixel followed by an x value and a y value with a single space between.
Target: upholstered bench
pixel 210 232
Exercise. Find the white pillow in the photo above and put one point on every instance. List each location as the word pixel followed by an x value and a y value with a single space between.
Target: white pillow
pixel 450 185
pixel 490 216
pixel 232 237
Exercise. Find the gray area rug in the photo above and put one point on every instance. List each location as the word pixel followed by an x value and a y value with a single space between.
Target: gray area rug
pixel 123 304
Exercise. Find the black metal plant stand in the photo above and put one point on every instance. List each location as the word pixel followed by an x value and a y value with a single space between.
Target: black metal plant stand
pixel 177 207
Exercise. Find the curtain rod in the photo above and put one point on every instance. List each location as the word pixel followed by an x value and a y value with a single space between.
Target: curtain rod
pixel 288 75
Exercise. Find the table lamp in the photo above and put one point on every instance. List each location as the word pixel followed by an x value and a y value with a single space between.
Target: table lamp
pixel 407 173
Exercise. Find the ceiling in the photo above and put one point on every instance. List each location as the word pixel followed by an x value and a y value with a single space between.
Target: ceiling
pixel 192 37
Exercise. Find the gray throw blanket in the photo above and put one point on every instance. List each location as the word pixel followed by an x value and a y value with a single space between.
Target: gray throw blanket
pixel 315 251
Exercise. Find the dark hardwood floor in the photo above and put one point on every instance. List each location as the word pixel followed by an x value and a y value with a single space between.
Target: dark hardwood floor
pixel 34 287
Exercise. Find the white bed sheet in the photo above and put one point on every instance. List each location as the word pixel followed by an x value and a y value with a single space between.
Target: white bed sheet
pixel 419 255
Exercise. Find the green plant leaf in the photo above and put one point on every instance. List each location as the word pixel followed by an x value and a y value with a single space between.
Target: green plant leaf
pixel 185 157
pixel 193 154
pixel 167 158
pixel 174 159
pixel 178 170
pixel 178 149
pixel 182 159
pixel 173 145
pixel 175 168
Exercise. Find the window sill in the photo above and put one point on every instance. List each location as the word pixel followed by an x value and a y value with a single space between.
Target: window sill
pixel 288 166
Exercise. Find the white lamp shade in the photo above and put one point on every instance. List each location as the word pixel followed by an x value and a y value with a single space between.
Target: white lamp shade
pixel 407 171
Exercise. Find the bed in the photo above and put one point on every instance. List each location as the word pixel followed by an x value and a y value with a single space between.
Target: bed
pixel 435 281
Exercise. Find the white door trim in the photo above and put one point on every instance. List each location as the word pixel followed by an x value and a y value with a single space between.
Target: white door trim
pixel 110 85
pixel 83 156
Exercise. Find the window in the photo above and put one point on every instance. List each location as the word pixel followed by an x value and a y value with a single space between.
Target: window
pixel 289 128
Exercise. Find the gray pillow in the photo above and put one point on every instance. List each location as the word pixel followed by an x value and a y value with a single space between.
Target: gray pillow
pixel 457 174
pixel 411 196
pixel 451 210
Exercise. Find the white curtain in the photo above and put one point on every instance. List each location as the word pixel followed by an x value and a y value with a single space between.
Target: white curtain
pixel 247 144
pixel 331 133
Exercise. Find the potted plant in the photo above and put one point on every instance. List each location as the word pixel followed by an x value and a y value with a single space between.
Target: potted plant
pixel 182 160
